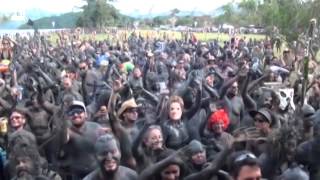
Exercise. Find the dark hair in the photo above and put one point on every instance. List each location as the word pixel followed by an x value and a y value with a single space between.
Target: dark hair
pixel 29 151
pixel 163 155
pixel 71 69
pixel 246 159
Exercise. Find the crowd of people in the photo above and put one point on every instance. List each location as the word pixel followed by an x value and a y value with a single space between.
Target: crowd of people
pixel 156 108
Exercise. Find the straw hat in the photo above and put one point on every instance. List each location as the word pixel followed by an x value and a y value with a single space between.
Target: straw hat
pixel 129 104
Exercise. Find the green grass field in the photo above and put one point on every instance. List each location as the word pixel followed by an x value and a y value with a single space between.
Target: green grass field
pixel 159 34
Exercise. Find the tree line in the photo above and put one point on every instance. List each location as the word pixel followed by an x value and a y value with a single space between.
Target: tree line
pixel 291 17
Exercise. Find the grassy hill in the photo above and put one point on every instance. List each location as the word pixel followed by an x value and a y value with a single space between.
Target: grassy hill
pixel 67 20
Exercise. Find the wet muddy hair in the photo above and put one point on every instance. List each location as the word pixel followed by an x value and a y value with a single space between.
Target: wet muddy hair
pixel 163 155
pixel 21 138
pixel 276 142
pixel 23 150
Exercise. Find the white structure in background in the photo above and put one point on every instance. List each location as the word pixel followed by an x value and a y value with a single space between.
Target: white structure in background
pixel 227 28
pixel 136 24
pixel 195 24
pixel 18 15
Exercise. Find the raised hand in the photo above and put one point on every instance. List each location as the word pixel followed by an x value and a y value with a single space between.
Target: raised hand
pixel 180 155
pixel 247 134
pixel 243 71
pixel 117 86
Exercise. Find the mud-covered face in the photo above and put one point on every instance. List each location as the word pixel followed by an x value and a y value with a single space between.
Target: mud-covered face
pixel 210 80
pixel 131 114
pixel 67 83
pixel 266 100
pixel 261 123
pixel 217 127
pixel 290 148
pixel 24 168
pixel 17 120
pixel 108 155
pixel 233 90
pixel 199 158
pixel 197 152
pixel 171 172
pixel 154 139
pixel 77 116
pixel 137 73
pixel 83 67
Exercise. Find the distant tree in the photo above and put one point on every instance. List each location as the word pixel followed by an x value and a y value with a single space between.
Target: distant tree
pixel 4 18
pixel 159 20
pixel 185 21
pixel 174 12
pixel 291 17
pixel 98 14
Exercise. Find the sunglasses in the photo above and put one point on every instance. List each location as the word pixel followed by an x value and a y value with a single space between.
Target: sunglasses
pixel 74 111
pixel 245 156
pixel 260 120
pixel 132 110
pixel 16 117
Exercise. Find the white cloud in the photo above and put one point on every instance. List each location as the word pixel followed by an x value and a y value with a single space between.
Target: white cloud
pixel 48 5
pixel 158 6
pixel 125 6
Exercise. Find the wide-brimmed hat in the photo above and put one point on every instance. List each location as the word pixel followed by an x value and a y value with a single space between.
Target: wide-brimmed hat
pixel 264 112
pixel 129 104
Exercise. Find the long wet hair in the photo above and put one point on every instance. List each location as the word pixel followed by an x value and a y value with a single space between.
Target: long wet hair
pixel 23 150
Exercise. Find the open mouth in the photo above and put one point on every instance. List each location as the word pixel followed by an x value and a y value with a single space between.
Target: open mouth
pixel 110 165
pixel 157 145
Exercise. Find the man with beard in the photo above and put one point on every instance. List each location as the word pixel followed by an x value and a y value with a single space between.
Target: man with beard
pixel 81 137
pixel 88 77
pixel 25 163
pixel 108 156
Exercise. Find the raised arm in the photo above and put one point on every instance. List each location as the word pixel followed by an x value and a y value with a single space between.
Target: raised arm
pixel 5 104
pixel 226 86
pixel 212 92
pixel 114 120
pixel 119 131
pixel 39 72
pixel 156 168
pixel 247 100
pixel 153 98
pixel 136 145
pixel 254 83
pixel 213 168
pixel 162 110
pixel 195 107
pixel 51 108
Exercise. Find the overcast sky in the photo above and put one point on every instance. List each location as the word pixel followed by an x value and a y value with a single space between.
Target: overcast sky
pixel 125 6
